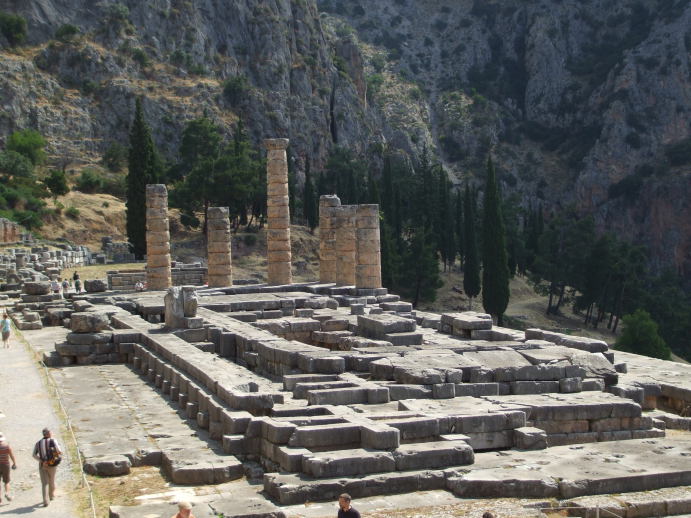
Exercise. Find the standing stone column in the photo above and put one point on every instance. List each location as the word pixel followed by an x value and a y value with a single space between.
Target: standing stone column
pixel 158 276
pixel 278 212
pixel 346 250
pixel 218 247
pixel 368 269
pixel 327 238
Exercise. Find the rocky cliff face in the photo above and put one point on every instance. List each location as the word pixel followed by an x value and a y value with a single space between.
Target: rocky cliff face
pixel 583 103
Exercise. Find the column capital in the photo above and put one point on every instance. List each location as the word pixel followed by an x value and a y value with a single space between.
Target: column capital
pixel 276 143
pixel 156 189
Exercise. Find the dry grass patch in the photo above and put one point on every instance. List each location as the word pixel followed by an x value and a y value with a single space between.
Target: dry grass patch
pixel 124 490
pixel 98 271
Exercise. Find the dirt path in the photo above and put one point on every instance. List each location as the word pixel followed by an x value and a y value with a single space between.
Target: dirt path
pixel 25 408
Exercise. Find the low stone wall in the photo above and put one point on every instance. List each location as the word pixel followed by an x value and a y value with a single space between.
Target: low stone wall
pixel 184 276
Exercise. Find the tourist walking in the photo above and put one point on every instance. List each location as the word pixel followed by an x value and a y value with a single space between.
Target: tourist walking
pixel 184 511
pixel 5 467
pixel 345 510
pixel 47 452
pixel 6 328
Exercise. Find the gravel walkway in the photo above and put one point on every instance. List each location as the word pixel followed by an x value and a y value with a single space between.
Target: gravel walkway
pixel 25 409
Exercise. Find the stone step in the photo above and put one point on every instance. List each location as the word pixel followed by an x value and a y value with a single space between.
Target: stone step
pixel 302 390
pixel 433 455
pixel 228 508
pixel 343 463
pixel 409 338
pixel 290 489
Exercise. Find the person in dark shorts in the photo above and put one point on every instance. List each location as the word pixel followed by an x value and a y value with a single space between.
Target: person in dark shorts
pixel 345 510
pixel 5 466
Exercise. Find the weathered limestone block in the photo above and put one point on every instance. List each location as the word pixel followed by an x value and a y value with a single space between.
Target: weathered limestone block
pixel 89 322
pixel 430 455
pixel 95 285
pixel 529 438
pixel 348 463
pixel 36 288
pixel 180 305
pixel 463 323
pixel 111 466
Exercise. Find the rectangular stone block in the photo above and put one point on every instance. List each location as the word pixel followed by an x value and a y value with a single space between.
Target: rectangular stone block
pixel 347 463
pixel 326 435
pixel 431 455
pixel 379 436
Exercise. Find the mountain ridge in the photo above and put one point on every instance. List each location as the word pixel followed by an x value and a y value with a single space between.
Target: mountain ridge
pixel 583 104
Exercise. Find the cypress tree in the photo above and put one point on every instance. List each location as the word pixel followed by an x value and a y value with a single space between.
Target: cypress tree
pixel 495 269
pixel 421 265
pixel 292 187
pixel 310 209
pixel 143 168
pixel 471 275
pixel 460 227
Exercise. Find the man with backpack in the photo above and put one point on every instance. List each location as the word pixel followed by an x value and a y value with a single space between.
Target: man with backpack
pixel 47 452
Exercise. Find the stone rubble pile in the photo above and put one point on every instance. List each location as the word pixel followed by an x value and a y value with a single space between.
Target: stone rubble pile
pixel 18 265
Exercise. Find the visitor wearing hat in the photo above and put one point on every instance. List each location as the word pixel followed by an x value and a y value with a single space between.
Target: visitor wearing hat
pixel 5 456
pixel 184 510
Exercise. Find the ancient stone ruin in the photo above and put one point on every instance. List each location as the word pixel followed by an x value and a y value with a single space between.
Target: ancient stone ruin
pixel 314 389
pixel 349 246
pixel 278 213
pixel 10 232
pixel 218 246
pixel 158 260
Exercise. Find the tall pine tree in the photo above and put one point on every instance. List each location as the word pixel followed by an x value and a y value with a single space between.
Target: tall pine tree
pixel 310 203
pixel 460 227
pixel 144 168
pixel 495 269
pixel 471 272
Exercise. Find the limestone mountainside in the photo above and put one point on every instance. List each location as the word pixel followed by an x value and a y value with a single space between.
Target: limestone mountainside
pixel 584 103
pixel 176 54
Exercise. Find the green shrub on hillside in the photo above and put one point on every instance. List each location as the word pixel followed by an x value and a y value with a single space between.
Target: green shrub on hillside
pixel 89 182
pixel 115 157
pixel 235 89
pixel 66 32
pixel 13 28
pixel 57 183
pixel 15 165
pixel 641 336
pixel 29 143
pixel 92 181
pixel 72 212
